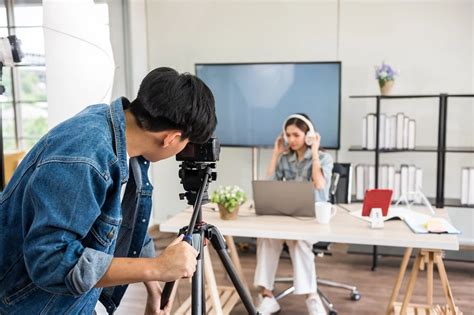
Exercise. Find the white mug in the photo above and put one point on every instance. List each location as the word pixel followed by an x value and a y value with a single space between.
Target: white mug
pixel 324 212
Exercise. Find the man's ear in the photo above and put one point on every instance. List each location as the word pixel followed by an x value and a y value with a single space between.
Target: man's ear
pixel 171 138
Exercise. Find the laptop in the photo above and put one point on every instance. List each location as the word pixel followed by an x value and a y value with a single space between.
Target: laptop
pixel 288 198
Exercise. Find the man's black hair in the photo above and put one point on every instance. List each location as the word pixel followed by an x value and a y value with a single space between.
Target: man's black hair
pixel 168 100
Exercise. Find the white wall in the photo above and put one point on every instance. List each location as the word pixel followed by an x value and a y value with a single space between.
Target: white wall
pixel 186 32
pixel 430 42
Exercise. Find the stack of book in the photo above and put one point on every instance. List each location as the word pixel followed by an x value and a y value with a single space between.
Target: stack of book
pixel 467 186
pixel 408 178
pixel 397 132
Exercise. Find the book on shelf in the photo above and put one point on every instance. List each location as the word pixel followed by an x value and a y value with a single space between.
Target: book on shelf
pixel 403 182
pixel 464 185
pixel 383 176
pixel 405 132
pixel 387 133
pixel 396 186
pixel 393 132
pixel 364 132
pixel 411 180
pixel 470 198
pixel 399 138
pixel 411 134
pixel 390 176
pixel 371 183
pixel 371 126
pixel 381 131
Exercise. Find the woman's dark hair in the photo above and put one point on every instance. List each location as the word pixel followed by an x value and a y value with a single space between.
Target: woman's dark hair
pixel 168 100
pixel 298 123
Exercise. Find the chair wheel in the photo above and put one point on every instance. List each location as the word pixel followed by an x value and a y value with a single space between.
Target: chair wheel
pixel 332 313
pixel 355 296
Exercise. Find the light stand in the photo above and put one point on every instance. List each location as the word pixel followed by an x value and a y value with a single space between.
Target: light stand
pixel 195 234
pixel 2 166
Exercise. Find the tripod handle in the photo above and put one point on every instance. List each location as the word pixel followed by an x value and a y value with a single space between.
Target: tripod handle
pixel 168 288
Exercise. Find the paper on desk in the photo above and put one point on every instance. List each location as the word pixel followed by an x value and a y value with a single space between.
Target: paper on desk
pixel 421 226
pixel 393 213
pixel 416 221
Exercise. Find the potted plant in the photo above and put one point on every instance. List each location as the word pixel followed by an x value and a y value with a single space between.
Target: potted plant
pixel 229 199
pixel 385 75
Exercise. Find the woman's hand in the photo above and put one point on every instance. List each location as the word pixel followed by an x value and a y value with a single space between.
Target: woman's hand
pixel 279 146
pixel 316 143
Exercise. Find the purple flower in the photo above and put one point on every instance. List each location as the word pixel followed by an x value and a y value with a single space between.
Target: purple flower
pixel 385 72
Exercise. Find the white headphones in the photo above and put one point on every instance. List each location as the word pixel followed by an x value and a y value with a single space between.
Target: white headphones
pixel 309 135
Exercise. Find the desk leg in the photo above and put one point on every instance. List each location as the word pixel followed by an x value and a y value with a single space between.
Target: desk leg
pixel 431 257
pixel 411 283
pixel 445 283
pixel 429 279
pixel 398 283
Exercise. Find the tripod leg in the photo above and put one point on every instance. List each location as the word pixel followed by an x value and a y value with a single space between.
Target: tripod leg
pixel 197 292
pixel 217 241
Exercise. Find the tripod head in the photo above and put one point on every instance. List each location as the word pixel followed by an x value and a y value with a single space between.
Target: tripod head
pixel 198 161
pixel 192 175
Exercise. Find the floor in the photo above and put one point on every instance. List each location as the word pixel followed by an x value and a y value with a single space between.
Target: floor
pixel 375 287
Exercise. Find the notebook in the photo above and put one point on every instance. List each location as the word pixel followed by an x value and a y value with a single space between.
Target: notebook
pixel 377 198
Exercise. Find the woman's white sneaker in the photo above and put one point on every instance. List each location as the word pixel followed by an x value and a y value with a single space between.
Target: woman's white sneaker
pixel 267 305
pixel 315 305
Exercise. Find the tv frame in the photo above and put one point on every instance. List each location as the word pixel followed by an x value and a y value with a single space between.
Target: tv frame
pixel 339 63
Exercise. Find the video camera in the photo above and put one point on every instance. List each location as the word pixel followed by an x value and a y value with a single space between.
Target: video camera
pixel 197 161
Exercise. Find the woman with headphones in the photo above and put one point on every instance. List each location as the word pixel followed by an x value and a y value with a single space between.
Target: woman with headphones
pixel 301 160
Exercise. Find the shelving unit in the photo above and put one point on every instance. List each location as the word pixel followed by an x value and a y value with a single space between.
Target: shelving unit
pixel 441 149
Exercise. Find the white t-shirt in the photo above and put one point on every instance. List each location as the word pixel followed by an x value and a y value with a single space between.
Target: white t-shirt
pixel 124 186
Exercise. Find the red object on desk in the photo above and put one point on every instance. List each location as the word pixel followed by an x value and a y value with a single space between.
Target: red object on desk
pixel 377 198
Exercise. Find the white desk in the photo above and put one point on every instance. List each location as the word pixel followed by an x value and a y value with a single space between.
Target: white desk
pixel 343 228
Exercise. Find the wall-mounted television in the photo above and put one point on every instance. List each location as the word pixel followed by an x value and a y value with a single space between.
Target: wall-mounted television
pixel 253 99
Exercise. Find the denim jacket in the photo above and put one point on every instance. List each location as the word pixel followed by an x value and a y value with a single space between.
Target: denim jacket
pixel 62 221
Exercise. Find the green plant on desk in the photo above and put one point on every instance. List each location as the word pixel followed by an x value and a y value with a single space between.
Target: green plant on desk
pixel 229 199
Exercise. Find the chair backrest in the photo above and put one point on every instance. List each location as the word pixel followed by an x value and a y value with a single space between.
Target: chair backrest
pixel 342 191
pixel 11 161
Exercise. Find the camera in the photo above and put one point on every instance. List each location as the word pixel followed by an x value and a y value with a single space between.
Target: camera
pixel 205 152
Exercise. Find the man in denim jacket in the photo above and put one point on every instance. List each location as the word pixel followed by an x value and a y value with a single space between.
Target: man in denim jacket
pixel 74 216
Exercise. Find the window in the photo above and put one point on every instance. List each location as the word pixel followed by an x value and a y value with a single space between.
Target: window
pixel 24 102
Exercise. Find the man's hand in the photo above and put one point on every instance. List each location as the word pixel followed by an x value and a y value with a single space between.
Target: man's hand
pixel 177 261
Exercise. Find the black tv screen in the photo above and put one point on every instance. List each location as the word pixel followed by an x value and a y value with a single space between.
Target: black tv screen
pixel 254 99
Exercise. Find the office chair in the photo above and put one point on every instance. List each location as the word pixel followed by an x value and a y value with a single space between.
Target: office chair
pixel 339 191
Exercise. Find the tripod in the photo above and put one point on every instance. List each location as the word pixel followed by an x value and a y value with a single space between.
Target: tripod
pixel 195 234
